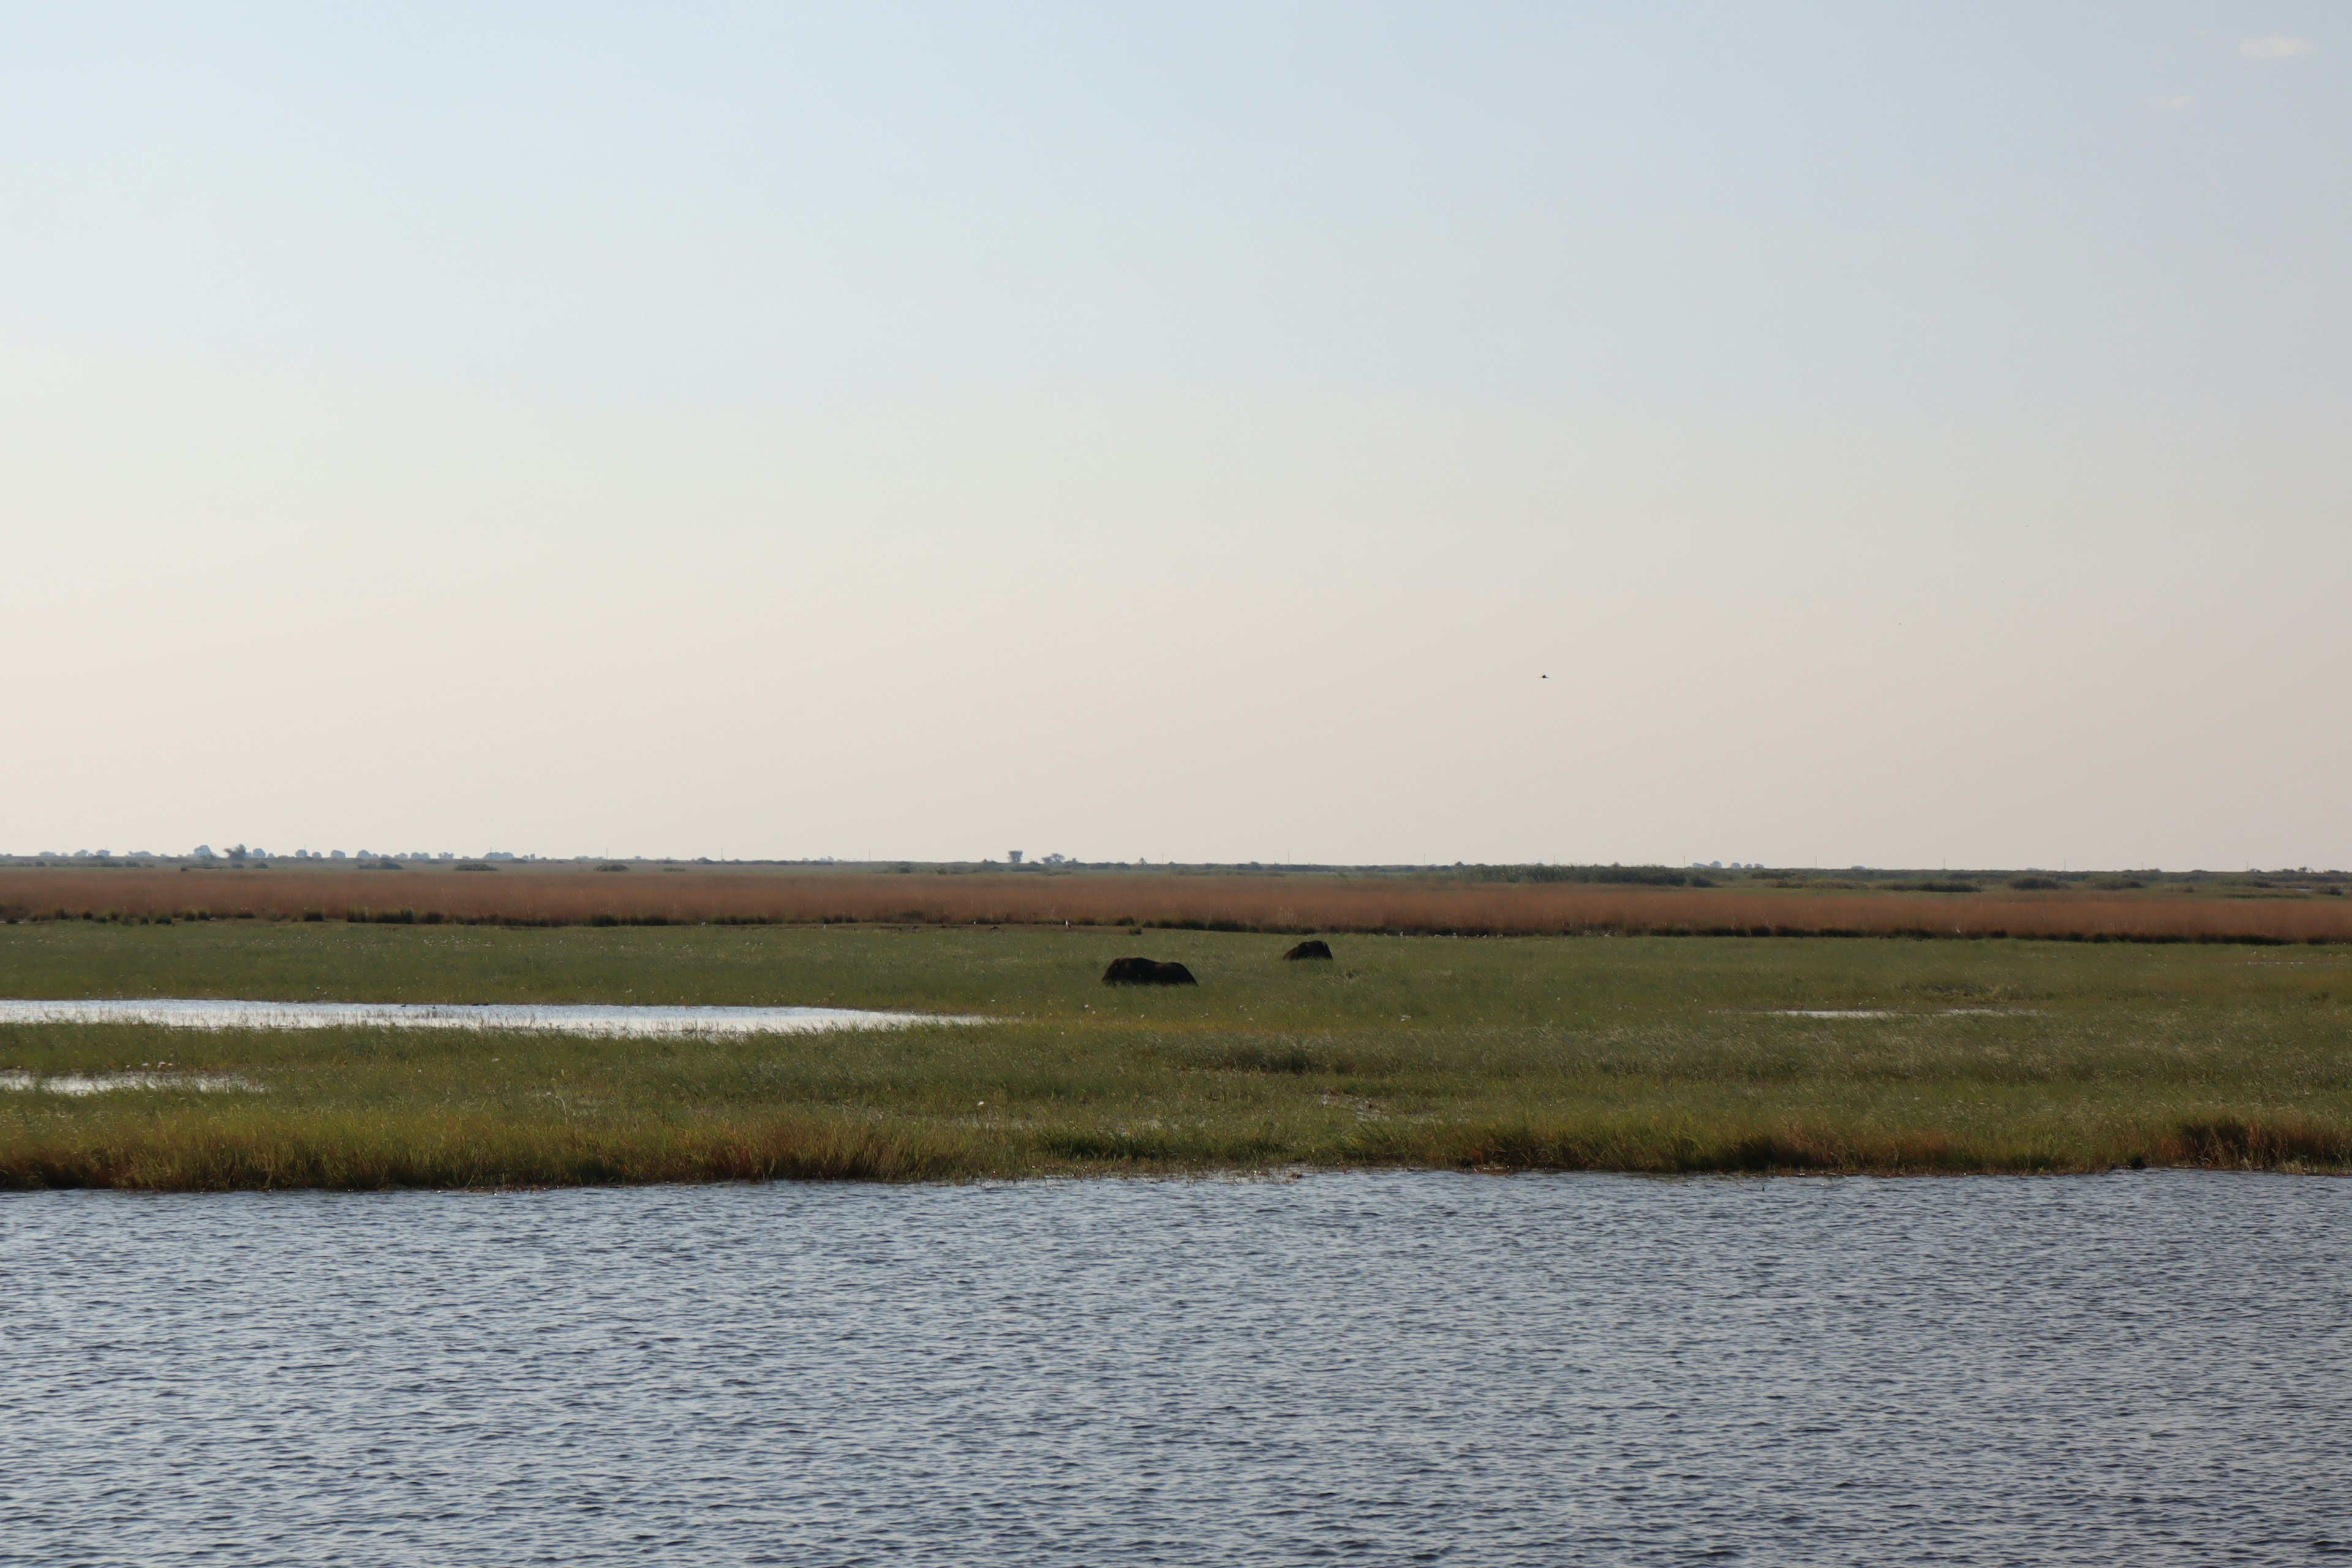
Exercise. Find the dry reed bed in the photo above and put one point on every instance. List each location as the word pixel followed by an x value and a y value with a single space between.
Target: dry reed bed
pixel 364 1154
pixel 1224 903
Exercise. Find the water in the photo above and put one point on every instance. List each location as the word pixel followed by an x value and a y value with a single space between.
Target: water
pixel 1898 1013
pixel 2149 1368
pixel 15 1080
pixel 558 1018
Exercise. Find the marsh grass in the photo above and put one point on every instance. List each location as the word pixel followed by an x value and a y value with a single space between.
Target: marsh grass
pixel 1632 1054
pixel 1235 902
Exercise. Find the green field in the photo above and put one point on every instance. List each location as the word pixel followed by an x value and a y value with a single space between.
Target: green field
pixel 1638 1054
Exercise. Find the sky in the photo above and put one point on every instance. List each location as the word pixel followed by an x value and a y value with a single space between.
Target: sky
pixel 1815 434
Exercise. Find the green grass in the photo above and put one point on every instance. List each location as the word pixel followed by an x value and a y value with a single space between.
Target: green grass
pixel 1638 1054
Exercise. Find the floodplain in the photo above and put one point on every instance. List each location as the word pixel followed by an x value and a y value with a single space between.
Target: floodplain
pixel 2292 907
pixel 1585 1052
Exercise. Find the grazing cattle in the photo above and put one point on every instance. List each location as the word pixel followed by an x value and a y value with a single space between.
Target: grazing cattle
pixel 1313 947
pixel 1146 972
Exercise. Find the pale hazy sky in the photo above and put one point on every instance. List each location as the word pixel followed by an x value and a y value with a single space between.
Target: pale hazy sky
pixel 1901 435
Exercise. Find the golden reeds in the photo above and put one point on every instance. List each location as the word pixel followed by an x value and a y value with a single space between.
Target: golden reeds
pixel 1225 902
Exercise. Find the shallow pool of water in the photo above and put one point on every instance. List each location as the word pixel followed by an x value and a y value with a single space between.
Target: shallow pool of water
pixel 2151 1368
pixel 15 1080
pixel 177 1013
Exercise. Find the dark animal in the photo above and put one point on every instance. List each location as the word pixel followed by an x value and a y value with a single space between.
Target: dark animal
pixel 1146 972
pixel 1313 947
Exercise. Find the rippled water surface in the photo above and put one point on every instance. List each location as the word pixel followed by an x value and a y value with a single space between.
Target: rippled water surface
pixel 2143 1368
pixel 558 1019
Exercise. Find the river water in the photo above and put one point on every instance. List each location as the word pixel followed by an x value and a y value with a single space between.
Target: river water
pixel 541 1017
pixel 2149 1368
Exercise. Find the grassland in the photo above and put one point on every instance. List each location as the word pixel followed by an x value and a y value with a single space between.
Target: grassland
pixel 1472 902
pixel 1624 1052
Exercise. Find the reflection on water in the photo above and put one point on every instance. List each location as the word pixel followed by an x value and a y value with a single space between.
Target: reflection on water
pixel 17 1080
pixel 1370 1368
pixel 548 1017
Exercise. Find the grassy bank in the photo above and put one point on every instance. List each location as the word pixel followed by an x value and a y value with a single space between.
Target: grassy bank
pixel 1622 1053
